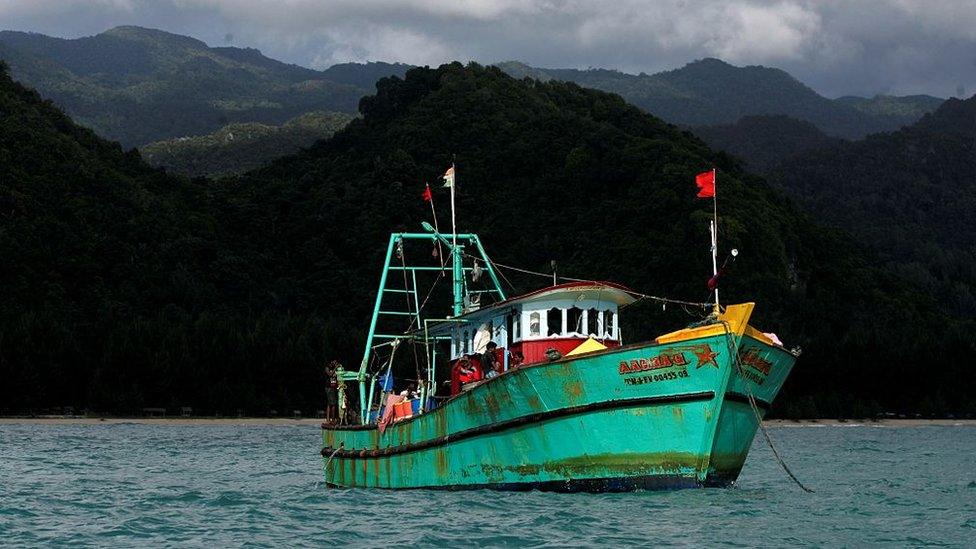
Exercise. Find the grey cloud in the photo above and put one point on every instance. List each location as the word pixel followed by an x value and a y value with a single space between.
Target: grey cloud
pixel 838 47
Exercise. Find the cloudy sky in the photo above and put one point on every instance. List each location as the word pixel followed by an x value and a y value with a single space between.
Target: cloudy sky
pixel 838 47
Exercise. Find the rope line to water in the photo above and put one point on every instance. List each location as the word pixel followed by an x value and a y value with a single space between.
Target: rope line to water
pixel 733 348
pixel 334 452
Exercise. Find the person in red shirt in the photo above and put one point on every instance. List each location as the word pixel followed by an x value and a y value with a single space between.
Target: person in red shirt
pixel 464 371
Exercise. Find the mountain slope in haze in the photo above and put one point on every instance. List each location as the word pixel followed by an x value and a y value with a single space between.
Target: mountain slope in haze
pixel 138 85
pixel 554 171
pixel 909 195
pixel 906 109
pixel 364 75
pixel 126 287
pixel 237 148
pixel 711 92
pixel 764 142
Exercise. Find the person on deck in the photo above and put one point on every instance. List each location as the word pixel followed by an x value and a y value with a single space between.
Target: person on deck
pixel 410 392
pixel 341 394
pixel 465 371
pixel 516 359
pixel 331 393
pixel 489 361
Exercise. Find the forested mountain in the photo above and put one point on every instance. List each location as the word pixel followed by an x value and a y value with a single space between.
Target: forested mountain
pixel 126 287
pixel 909 195
pixel 237 148
pixel 138 85
pixel 905 110
pixel 711 92
pixel 364 75
pixel 764 142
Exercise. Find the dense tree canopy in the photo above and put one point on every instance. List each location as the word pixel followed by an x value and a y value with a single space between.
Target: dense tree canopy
pixel 910 196
pixel 130 288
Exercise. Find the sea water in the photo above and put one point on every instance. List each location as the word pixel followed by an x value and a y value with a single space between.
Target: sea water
pixel 236 485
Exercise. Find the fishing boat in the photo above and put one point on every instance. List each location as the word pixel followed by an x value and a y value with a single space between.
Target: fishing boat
pixel 563 402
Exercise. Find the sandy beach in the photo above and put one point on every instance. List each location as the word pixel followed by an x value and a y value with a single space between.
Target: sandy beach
pixel 194 421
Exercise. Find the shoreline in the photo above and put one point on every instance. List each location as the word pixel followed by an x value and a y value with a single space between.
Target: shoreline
pixel 270 421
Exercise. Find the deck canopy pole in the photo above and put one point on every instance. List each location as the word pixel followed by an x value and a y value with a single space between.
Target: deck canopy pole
pixel 372 386
pixel 457 265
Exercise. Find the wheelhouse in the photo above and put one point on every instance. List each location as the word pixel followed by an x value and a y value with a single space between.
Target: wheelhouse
pixel 540 325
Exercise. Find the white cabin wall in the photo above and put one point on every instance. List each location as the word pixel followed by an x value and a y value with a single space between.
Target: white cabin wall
pixel 542 308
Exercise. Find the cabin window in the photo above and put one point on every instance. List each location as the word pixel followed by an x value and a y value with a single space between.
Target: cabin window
pixel 512 324
pixel 608 321
pixel 574 320
pixel 465 340
pixel 534 321
pixel 555 320
pixel 592 322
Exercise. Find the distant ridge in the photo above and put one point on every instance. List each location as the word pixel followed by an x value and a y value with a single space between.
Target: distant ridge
pixel 711 92
pixel 137 85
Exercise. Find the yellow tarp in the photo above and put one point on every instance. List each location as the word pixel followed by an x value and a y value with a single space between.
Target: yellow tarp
pixel 587 346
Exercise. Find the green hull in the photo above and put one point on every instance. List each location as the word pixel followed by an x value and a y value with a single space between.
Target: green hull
pixel 650 415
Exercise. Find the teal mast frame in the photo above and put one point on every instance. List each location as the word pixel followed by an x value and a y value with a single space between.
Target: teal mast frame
pixel 458 287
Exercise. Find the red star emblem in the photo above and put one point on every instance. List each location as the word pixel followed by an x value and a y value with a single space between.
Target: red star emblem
pixel 705 356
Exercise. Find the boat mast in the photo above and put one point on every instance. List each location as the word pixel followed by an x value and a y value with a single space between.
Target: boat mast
pixel 713 226
pixel 456 253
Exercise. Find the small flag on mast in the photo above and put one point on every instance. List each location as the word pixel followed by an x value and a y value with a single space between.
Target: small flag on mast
pixel 449 177
pixel 427 194
pixel 706 184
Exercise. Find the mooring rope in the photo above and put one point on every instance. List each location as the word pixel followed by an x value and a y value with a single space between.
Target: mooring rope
pixel 334 452
pixel 733 348
pixel 755 410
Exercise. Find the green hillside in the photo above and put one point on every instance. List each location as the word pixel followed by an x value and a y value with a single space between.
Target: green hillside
pixel 126 287
pixel 909 195
pixel 237 148
pixel 711 92
pixel 763 142
pixel 137 85
pixel 908 108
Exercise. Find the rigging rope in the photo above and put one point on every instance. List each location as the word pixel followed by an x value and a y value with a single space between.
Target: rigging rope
pixel 571 279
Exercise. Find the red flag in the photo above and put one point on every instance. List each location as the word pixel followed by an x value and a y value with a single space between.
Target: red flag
pixel 427 196
pixel 706 184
